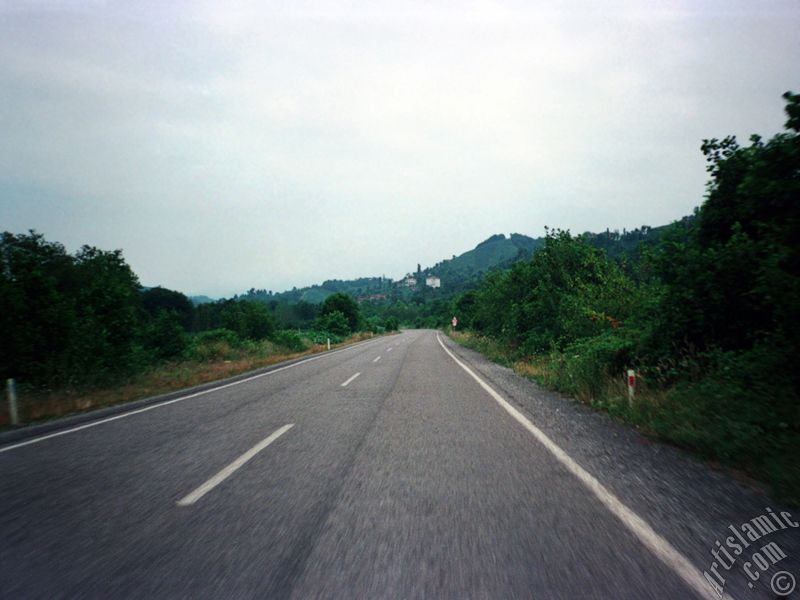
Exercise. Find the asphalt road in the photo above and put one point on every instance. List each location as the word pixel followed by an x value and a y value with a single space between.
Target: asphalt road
pixel 409 480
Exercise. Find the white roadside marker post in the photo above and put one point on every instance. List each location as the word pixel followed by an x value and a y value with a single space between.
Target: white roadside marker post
pixel 12 401
pixel 329 343
pixel 631 385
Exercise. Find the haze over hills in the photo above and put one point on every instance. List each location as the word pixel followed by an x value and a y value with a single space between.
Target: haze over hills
pixel 458 273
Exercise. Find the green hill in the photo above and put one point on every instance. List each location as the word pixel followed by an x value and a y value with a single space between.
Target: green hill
pixel 197 300
pixel 463 272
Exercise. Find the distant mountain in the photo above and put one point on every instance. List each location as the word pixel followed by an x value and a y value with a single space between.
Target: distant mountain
pixel 316 294
pixel 463 272
pixel 498 251
pixel 197 300
pixel 457 274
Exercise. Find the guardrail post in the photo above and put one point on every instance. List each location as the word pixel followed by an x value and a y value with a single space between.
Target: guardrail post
pixel 11 388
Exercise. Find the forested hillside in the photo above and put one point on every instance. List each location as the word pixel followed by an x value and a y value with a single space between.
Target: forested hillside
pixel 421 305
pixel 316 294
pixel 457 274
pixel 463 272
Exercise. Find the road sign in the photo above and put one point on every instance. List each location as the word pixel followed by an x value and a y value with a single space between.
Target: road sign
pixel 454 321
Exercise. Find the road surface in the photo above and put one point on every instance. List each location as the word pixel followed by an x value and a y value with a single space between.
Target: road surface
pixel 391 469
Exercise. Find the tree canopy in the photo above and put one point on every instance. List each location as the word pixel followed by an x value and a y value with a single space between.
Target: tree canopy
pixel 345 305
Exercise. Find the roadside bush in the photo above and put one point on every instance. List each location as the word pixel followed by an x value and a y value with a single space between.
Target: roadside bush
pixel 585 367
pixel 375 324
pixel 742 411
pixel 219 335
pixel 334 322
pixel 290 340
pixel 322 337
pixel 216 344
pixel 344 305
pixel 567 291
pixel 248 319
pixel 251 320
pixel 164 336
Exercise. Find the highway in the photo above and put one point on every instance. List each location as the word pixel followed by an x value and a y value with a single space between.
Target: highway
pixel 402 467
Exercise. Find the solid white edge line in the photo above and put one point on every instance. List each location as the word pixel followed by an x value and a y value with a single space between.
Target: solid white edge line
pixel 351 379
pixel 174 400
pixel 209 485
pixel 376 359
pixel 659 546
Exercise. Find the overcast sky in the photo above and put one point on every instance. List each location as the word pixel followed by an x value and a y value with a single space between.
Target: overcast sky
pixel 229 145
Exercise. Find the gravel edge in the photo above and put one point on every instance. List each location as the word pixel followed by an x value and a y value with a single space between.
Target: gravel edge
pixel 685 500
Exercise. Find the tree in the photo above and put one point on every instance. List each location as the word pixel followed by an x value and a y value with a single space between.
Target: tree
pixel 248 319
pixel 344 304
pixel 67 319
pixel 736 279
pixel 37 310
pixel 334 322
pixel 164 336
pixel 110 315
pixel 464 307
pixel 159 298
pixel 251 320
pixel 566 291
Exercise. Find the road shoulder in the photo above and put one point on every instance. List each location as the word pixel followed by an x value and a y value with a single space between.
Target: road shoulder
pixel 684 500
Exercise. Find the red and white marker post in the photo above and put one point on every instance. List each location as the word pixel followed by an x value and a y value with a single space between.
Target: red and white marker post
pixel 631 385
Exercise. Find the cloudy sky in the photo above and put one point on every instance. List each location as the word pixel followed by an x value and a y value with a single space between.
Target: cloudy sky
pixel 229 145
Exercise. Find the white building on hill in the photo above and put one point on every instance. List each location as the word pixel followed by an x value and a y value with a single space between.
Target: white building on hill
pixel 433 281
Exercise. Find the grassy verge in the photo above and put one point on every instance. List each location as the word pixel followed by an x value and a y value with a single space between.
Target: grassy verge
pixel 715 409
pixel 221 361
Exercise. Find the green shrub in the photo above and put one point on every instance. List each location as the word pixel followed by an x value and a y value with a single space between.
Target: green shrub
pixel 584 368
pixel 334 322
pixel 164 337
pixel 290 340
pixel 322 337
pixel 215 344
pixel 375 324
pixel 219 335
pixel 345 306
pixel 743 411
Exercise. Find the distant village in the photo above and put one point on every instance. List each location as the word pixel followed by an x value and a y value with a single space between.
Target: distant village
pixel 410 282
